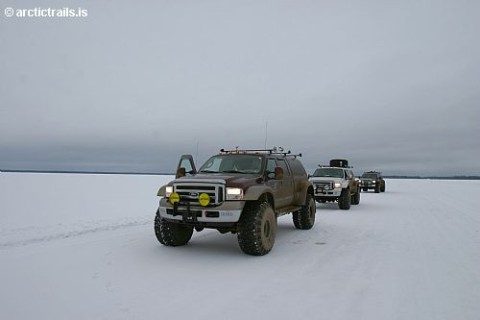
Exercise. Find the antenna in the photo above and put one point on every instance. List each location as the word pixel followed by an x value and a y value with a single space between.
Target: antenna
pixel 266 134
pixel 196 154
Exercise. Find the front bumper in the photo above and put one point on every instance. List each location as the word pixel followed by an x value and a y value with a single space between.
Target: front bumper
pixel 227 212
pixel 328 193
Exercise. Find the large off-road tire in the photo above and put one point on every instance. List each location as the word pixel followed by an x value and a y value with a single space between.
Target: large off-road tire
pixel 305 217
pixel 377 188
pixel 365 189
pixel 172 234
pixel 382 188
pixel 344 200
pixel 257 229
pixel 356 197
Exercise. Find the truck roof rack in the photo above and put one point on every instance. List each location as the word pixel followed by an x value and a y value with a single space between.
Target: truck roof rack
pixel 337 163
pixel 295 155
pixel 274 150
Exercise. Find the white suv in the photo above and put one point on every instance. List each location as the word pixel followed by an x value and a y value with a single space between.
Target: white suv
pixel 336 183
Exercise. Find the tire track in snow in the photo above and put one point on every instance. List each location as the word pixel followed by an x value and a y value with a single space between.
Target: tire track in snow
pixel 71 233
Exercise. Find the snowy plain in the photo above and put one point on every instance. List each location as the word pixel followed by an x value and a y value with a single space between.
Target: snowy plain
pixel 80 246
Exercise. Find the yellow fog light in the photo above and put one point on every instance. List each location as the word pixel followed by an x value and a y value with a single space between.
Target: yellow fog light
pixel 174 197
pixel 204 199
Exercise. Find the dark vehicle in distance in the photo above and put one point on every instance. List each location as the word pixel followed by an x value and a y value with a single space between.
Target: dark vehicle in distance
pixel 372 180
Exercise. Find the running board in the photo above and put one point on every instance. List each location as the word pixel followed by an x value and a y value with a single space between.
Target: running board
pixel 287 210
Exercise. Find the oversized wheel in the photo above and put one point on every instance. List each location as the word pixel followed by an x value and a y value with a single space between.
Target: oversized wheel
pixel 382 189
pixel 377 188
pixel 305 217
pixel 344 200
pixel 257 229
pixel 170 233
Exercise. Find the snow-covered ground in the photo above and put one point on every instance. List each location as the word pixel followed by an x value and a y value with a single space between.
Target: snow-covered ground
pixel 76 246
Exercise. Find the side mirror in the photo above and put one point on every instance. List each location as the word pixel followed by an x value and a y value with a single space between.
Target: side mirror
pixel 278 173
pixel 180 172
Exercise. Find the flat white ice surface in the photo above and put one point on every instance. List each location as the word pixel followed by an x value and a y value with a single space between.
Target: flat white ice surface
pixel 77 246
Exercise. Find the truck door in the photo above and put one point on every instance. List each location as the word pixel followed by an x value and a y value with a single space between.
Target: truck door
pixel 282 188
pixel 186 166
pixel 287 184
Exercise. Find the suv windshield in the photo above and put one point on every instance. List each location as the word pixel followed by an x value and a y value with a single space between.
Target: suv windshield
pixel 233 163
pixel 369 175
pixel 329 172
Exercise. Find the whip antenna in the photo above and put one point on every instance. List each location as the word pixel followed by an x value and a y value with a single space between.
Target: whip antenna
pixel 266 134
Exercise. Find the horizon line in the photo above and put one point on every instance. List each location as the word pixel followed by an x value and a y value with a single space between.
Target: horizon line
pixel 393 176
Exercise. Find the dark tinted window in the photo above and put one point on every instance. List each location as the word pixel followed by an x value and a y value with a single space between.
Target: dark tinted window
pixel 329 172
pixel 297 167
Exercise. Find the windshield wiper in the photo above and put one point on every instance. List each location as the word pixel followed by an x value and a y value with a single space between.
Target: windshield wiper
pixel 208 171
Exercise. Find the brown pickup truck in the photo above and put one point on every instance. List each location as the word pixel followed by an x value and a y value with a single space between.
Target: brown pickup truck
pixel 237 191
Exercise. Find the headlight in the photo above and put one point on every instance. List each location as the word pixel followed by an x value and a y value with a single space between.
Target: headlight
pixel 338 185
pixel 234 193
pixel 168 191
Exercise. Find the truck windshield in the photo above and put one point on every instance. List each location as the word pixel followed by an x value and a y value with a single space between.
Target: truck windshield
pixel 329 172
pixel 233 163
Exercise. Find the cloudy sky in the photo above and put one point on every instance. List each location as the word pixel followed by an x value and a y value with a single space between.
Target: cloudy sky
pixel 390 85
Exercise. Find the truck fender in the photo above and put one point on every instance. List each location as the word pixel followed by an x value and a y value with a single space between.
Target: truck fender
pixel 302 189
pixel 254 192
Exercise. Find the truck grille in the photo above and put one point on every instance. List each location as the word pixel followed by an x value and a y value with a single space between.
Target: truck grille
pixel 323 185
pixel 189 192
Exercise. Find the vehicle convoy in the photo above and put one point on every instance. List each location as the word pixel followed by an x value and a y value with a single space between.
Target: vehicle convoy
pixel 237 191
pixel 336 183
pixel 372 180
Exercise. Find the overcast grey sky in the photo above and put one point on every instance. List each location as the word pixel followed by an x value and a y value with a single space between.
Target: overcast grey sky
pixel 390 85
